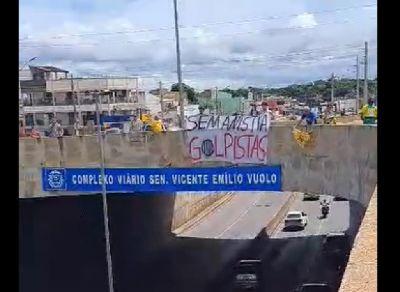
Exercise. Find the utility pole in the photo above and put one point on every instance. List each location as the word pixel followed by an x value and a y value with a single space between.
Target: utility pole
pixel 358 85
pixel 54 101
pixel 107 93
pixel 178 65
pixel 137 90
pixel 108 103
pixel 216 100
pixel 73 95
pixel 104 199
pixel 332 87
pixel 366 74
pixel 161 102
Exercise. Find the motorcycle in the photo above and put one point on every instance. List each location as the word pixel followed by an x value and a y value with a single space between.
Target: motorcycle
pixel 325 211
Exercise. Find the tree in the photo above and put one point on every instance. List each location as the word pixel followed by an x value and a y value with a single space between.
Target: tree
pixel 190 93
pixel 241 92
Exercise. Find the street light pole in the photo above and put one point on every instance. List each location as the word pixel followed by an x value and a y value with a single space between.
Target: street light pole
pixel 178 65
pixel 104 199
pixel 358 85
pixel 366 73
pixel 332 87
pixel 216 101
pixel 161 101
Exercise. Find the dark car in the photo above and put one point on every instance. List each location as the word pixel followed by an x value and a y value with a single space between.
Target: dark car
pixel 314 287
pixel 339 199
pixel 310 197
pixel 247 274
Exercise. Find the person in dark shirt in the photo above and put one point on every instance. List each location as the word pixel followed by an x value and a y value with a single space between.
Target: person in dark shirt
pixel 254 112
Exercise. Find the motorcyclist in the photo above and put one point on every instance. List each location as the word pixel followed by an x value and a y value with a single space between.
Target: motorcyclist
pixel 324 204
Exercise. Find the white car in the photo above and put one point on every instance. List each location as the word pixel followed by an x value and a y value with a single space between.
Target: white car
pixel 296 219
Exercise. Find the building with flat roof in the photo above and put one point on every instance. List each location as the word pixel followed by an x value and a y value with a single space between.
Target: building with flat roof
pixel 48 92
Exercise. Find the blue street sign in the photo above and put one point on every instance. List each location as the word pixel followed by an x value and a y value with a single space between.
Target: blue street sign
pixel 128 180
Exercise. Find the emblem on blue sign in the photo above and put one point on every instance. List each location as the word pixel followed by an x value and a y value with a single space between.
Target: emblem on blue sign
pixel 56 179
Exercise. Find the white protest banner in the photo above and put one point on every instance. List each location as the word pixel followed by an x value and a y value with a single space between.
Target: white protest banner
pixel 236 139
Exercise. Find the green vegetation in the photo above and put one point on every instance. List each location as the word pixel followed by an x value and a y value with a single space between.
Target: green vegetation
pixel 241 92
pixel 207 103
pixel 317 89
pixel 190 93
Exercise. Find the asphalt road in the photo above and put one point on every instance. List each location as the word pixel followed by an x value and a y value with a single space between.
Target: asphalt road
pixel 242 217
pixel 337 221
pixel 147 256
pixel 289 258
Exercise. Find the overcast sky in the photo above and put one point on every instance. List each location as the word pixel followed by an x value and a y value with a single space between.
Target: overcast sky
pixel 223 43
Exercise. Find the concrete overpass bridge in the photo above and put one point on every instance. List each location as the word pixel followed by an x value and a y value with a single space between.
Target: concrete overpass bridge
pixel 61 234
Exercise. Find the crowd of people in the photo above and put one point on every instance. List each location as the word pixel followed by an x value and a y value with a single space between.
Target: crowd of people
pixel 368 114
pixel 148 123
pixel 264 110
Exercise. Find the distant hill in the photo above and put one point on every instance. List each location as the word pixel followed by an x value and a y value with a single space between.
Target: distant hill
pixel 320 88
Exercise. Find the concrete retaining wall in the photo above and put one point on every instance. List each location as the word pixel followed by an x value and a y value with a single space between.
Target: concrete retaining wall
pixel 189 205
pixel 342 161
pixel 62 242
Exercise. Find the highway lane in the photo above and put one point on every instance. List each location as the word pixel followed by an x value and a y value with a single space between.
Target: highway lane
pixel 337 221
pixel 242 217
pixel 147 256
pixel 291 258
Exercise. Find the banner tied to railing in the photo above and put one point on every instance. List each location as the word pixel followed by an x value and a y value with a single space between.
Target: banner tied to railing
pixel 236 139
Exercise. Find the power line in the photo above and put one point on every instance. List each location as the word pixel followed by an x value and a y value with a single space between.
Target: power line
pixel 142 30
pixel 287 58
pixel 270 30
pixel 291 62
pixel 159 74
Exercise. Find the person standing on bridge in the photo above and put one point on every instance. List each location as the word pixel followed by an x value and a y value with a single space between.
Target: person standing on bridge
pixel 265 110
pixel 309 117
pixel 56 131
pixel 157 126
pixel 254 112
pixel 35 133
pixel 77 128
pixel 329 115
pixel 136 125
pixel 369 113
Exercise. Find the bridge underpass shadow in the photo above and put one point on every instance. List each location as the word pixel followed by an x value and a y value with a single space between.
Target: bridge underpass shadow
pixel 62 248
pixel 62 243
pixel 172 263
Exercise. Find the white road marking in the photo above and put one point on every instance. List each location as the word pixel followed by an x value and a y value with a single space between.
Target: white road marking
pixel 238 219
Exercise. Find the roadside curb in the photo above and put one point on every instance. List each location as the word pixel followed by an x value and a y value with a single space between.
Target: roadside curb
pixel 276 220
pixel 203 214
